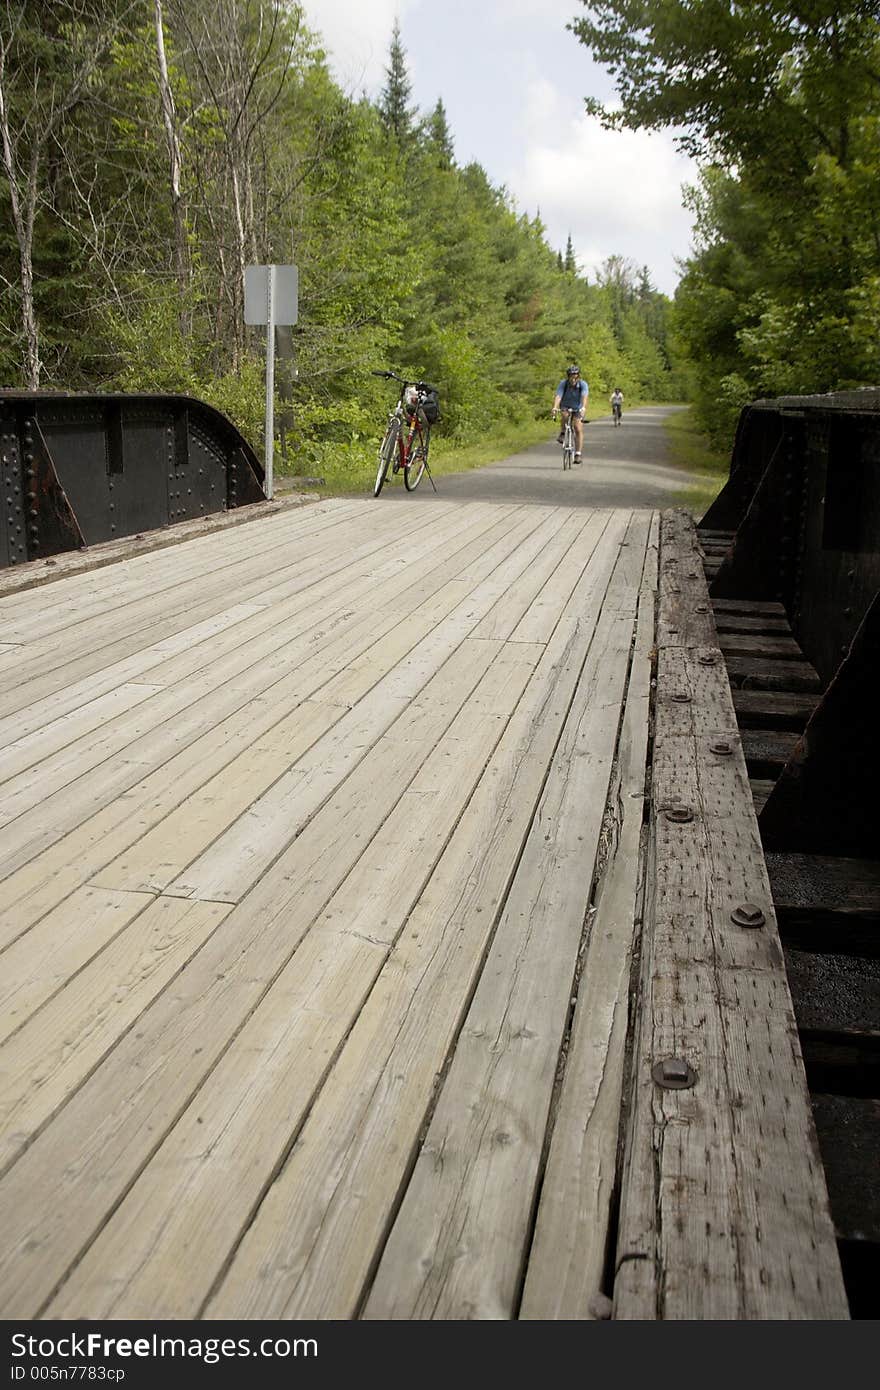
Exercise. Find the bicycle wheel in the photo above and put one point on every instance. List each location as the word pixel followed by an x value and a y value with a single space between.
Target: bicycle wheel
pixel 386 454
pixel 567 450
pixel 416 458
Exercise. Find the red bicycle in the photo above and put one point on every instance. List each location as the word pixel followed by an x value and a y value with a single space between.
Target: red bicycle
pixel 407 436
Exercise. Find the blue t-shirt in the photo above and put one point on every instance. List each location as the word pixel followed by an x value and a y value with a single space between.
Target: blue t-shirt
pixel 573 397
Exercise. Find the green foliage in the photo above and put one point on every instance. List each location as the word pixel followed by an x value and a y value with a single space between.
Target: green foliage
pixel 405 259
pixel 782 102
pixel 397 115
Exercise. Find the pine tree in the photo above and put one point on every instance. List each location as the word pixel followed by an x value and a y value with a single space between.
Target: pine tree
pixel 440 136
pixel 397 116
pixel 570 264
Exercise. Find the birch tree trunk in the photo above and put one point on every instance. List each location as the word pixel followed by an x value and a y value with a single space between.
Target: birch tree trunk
pixel 181 258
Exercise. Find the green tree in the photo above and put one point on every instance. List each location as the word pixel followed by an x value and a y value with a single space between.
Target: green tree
pixel 397 115
pixel 781 100
pixel 50 67
pixel 439 137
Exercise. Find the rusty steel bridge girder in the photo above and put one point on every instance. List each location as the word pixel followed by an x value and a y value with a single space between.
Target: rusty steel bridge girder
pixel 803 499
pixel 80 469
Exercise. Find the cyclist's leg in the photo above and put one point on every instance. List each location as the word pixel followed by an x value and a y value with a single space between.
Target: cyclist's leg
pixel 578 437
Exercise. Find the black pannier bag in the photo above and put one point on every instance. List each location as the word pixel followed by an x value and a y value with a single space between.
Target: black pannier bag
pixel 430 403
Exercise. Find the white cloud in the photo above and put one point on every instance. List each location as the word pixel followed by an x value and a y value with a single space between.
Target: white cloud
pixel 613 192
pixel 357 34
pixel 513 81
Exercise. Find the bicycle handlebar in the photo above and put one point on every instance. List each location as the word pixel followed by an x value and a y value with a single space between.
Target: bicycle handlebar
pixel 392 376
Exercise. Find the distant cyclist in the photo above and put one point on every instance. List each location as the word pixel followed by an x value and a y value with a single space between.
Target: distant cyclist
pixel 571 398
pixel 616 399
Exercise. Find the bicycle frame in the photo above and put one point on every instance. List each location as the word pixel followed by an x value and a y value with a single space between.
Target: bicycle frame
pixel 567 442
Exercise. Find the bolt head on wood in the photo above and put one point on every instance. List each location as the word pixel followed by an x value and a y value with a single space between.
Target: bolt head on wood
pixel 707 659
pixel 679 814
pixel 681 698
pixel 721 747
pixel 673 1074
pixel 748 915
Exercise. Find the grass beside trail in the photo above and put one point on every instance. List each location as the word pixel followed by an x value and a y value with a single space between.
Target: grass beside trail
pixel 446 457
pixel 691 450
pixel 351 474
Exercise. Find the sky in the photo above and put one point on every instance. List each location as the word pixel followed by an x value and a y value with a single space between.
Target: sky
pixel 513 80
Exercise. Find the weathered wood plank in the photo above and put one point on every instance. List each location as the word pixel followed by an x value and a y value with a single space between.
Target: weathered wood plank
pixel 724 1212
pixel 766 751
pixel 773 709
pixel 566 1261
pixel 84 646
pixel 757 608
pixel 92 840
pixel 480 1158
pixel 196 642
pixel 259 942
pixel 199 601
pixel 759 644
pixel 737 622
pixel 298 1027
pixel 62 1043
pixel 305 664
pixel 286 605
pixel 36 968
pixel 812 885
pixel 34 617
pixel 760 673
pixel 22 754
pixel 230 865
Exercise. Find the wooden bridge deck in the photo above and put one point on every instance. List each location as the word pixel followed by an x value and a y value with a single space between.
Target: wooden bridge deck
pixel 323 854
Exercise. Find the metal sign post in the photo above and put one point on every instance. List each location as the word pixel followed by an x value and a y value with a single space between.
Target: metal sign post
pixel 271 296
pixel 270 376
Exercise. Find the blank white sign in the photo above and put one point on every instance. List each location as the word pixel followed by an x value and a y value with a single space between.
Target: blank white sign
pixel 285 300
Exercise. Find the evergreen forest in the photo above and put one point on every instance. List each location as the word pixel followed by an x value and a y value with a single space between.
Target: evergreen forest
pixel 151 149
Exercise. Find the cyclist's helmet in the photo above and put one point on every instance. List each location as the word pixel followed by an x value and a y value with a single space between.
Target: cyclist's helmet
pixel 573 370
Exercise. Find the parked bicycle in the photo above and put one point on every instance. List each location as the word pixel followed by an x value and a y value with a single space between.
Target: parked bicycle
pixel 407 437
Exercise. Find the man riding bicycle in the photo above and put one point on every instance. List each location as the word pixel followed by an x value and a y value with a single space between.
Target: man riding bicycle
pixel 616 399
pixel 571 398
